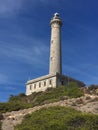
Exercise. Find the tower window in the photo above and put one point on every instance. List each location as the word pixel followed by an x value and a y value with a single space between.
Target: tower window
pixel 52 41
pixel 51 58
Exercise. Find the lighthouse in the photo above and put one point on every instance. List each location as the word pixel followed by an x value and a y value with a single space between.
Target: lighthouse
pixel 55 78
pixel 55 45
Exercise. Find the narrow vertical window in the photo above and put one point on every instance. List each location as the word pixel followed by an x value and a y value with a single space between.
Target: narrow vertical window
pixel 44 83
pixel 51 58
pixel 39 84
pixel 34 86
pixel 50 82
pixel 30 87
pixel 52 41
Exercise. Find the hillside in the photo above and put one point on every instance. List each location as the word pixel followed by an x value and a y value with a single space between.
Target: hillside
pixel 22 101
pixel 67 96
pixel 59 118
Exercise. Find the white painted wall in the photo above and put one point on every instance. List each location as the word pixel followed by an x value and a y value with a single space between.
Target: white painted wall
pixel 30 88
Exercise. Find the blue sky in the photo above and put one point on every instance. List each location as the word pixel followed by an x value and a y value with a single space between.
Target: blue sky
pixel 25 40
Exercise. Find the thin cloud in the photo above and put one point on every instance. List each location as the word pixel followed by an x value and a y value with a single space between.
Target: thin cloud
pixel 9 7
pixel 32 53
pixel 3 79
pixel 28 54
pixel 12 7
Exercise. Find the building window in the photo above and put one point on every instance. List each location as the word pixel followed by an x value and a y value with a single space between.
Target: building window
pixel 50 81
pixel 39 84
pixel 44 83
pixel 34 86
pixel 30 87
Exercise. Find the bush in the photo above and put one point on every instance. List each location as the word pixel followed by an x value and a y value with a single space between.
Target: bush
pixel 13 106
pixel 55 94
pixel 50 95
pixel 59 118
pixel 73 91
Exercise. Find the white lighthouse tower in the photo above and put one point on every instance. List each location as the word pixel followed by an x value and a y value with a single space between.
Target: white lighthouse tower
pixel 55 45
pixel 54 78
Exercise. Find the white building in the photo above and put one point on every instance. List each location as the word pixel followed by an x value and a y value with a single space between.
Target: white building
pixel 55 77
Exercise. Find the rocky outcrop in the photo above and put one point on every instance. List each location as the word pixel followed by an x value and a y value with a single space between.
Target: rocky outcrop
pixel 87 103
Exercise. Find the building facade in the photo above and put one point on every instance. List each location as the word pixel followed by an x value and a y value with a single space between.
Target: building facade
pixel 54 78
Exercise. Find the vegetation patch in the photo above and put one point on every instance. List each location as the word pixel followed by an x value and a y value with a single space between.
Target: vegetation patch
pixel 59 118
pixel 13 106
pixel 22 101
pixel 55 94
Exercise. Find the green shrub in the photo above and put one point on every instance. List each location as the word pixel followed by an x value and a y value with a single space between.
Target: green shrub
pixel 59 118
pixel 13 106
pixel 50 95
pixel 72 90
pixel 55 94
